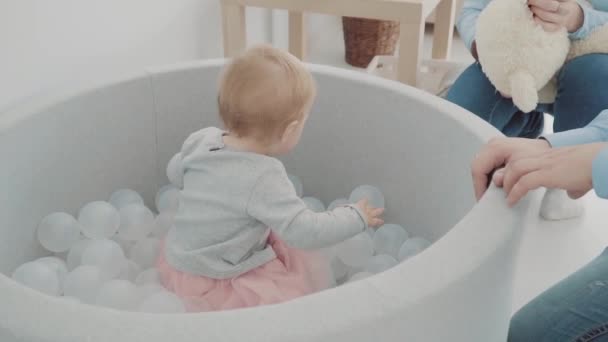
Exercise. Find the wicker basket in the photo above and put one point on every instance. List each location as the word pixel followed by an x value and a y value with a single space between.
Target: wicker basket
pixel 366 38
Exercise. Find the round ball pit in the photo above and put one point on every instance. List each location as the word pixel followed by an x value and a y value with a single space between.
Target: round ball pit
pixel 60 153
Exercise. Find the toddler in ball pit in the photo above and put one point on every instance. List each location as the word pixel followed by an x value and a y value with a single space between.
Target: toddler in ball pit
pixel 242 237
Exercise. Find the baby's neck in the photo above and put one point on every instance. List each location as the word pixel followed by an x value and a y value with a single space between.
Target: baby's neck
pixel 247 145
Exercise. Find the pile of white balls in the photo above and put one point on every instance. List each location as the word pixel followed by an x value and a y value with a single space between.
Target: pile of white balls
pixel 372 251
pixel 106 255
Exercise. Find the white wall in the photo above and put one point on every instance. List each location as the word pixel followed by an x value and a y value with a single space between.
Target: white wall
pixel 46 44
pixel 324 37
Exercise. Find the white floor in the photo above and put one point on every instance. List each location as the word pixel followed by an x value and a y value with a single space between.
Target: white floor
pixel 550 250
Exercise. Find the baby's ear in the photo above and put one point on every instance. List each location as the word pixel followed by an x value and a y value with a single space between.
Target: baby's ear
pixel 290 130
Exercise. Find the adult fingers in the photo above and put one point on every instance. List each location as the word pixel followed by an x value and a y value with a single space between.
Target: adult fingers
pixel 549 27
pixel 499 177
pixel 489 158
pixel 519 168
pixel 547 16
pixel 529 182
pixel 480 182
pixel 547 5
pixel 576 194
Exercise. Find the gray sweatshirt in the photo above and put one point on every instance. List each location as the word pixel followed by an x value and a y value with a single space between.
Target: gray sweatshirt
pixel 229 203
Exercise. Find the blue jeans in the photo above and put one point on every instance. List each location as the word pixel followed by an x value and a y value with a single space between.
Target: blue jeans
pixel 582 95
pixel 573 310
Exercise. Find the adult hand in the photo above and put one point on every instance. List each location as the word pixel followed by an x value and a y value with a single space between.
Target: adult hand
pixel 498 152
pixel 567 168
pixel 555 14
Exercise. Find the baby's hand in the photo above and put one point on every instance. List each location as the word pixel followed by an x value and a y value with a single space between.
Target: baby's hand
pixel 372 215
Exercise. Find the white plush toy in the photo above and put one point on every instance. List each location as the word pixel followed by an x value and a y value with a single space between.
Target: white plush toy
pixel 520 58
pixel 518 55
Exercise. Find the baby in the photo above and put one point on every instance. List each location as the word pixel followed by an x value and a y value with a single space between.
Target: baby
pixel 242 237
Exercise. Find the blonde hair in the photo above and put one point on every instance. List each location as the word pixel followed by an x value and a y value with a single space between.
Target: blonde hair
pixel 263 91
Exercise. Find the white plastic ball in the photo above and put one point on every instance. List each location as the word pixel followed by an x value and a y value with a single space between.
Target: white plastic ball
pixel 118 294
pixel 149 276
pixel 380 263
pixel 359 276
pixel 314 204
pixel 328 252
pixel 412 247
pixel 129 270
pixel 297 184
pixel 339 269
pixel 58 232
pixel 340 202
pixel 124 197
pixel 146 290
pixel 125 245
pixel 162 302
pixel 355 251
pixel 162 224
pixel 145 252
pixel 99 220
pixel 74 257
pixel 73 300
pixel 389 238
pixel 57 265
pixel 354 270
pixel 198 304
pixel 371 232
pixel 167 199
pixel 106 255
pixel 374 196
pixel 38 276
pixel 175 171
pixel 83 283
pixel 136 222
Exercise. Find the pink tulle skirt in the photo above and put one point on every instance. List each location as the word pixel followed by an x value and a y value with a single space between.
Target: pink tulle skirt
pixel 294 273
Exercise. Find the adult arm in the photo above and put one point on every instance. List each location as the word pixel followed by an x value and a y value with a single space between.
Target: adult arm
pixel 467 22
pixel 595 131
pixel 592 19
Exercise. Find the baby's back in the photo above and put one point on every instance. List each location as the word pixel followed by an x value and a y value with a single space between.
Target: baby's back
pixel 213 234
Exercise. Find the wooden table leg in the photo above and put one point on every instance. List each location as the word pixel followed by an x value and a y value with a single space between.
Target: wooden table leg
pixel 410 48
pixel 444 29
pixel 297 34
pixel 233 27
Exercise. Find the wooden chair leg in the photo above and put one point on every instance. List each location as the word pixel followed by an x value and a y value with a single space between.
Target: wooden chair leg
pixel 410 48
pixel 444 29
pixel 233 29
pixel 297 34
